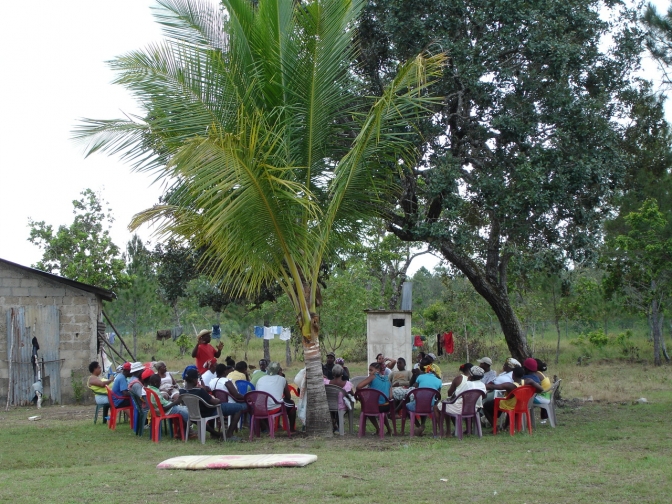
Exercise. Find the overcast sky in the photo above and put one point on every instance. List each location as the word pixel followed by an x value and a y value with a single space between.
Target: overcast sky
pixel 54 73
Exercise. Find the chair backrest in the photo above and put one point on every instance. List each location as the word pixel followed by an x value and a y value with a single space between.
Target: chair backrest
pixel 334 392
pixel 192 402
pixel 111 395
pixel 257 402
pixel 154 404
pixel 523 396
pixel 554 388
pixel 137 403
pixel 369 398
pixel 469 400
pixel 423 399
pixel 222 395
pixel 244 386
pixel 356 380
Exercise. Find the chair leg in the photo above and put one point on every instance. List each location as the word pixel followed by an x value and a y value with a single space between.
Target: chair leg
pixel 341 422
pixel 381 425
pixel 362 425
pixel 458 426
pixel 412 420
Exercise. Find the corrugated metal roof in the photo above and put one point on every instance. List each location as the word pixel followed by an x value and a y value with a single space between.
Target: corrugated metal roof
pixel 107 295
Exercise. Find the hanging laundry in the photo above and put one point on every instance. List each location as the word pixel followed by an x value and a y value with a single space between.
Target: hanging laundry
pixel 417 341
pixel 216 332
pixel 111 337
pixel 277 330
pixel 268 334
pixel 258 331
pixel 448 343
pixel 286 334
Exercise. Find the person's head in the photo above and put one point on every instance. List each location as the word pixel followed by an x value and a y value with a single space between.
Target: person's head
pixel 464 368
pixel 380 358
pixel 126 369
pixel 432 356
pixel 191 376
pixel 530 365
pixel 337 371
pixel 425 363
pixel 401 364
pixel 518 373
pixel 220 369
pixel 241 366
pixel 274 368
pixel 476 373
pixel 340 361
pixel 230 362
pixel 374 368
pixel 161 367
pixel 227 370
pixel 95 369
pixel 421 355
pixel 541 365
pixel 510 363
pixel 331 358
pixel 146 375
pixel 155 381
pixel 485 363
pixel 263 364
pixel 137 368
pixel 205 336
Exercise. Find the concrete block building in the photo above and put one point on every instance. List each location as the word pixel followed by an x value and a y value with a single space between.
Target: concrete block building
pixel 62 317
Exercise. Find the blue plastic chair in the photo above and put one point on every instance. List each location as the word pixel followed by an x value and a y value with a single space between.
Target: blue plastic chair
pixel 244 386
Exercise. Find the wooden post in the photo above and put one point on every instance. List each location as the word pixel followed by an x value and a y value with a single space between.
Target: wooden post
pixel 118 335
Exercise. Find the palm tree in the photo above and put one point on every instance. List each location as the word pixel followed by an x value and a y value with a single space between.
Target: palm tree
pixel 255 122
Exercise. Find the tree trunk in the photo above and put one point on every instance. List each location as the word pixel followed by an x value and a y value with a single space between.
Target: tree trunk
pixel 135 343
pixel 267 351
pixel 288 354
pixel 556 319
pixel 318 419
pixel 492 287
pixel 655 327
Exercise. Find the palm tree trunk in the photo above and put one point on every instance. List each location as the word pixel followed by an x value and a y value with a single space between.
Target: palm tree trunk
pixel 318 420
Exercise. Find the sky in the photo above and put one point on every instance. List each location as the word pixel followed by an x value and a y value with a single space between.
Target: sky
pixel 54 73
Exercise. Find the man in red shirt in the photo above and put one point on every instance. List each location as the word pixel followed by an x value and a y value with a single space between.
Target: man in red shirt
pixel 204 351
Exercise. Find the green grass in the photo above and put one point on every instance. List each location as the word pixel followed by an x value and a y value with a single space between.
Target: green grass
pixel 602 451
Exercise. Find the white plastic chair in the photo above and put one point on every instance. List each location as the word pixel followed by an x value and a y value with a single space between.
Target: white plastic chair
pixel 333 394
pixel 192 403
pixel 550 407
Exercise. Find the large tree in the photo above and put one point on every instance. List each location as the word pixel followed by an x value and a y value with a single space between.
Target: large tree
pixel 84 250
pixel 525 151
pixel 254 116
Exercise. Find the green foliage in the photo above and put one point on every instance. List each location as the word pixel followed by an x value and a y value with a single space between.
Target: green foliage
pixel 77 386
pixel 626 345
pixel 82 251
pixel 184 343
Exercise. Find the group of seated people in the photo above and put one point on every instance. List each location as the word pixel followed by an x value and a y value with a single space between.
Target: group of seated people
pixel 389 376
pixel 395 385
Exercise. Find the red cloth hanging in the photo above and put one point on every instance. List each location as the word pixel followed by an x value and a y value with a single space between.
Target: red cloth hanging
pixel 417 341
pixel 448 344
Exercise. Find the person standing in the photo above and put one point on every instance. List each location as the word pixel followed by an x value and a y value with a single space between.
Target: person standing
pixel 204 352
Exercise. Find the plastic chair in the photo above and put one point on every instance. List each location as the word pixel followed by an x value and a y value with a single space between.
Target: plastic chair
pixel 469 412
pixel 523 396
pixel 257 403
pixel 98 408
pixel 115 411
pixel 292 390
pixel 193 402
pixel 244 386
pixel 334 392
pixel 369 398
pixel 356 380
pixel 423 407
pixel 158 415
pixel 550 407
pixel 139 415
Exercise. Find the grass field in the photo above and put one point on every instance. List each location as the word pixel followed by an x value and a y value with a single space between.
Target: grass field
pixel 606 450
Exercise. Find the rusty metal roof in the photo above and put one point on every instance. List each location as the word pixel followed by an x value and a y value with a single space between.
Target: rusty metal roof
pixel 107 295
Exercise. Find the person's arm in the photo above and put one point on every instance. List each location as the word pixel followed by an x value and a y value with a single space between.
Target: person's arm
pixel 97 382
pixel 218 353
pixel 365 382
pixel 233 391
pixel 286 394
pixel 454 384
pixel 212 400
pixel 534 385
pixel 390 363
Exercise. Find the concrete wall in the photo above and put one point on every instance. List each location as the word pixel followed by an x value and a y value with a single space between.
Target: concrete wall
pixel 79 312
pixel 383 337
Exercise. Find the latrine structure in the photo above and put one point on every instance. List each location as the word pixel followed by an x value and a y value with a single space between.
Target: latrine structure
pixel 389 332
pixel 48 325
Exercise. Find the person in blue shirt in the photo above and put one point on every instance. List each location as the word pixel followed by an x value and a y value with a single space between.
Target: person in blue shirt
pixel 378 380
pixel 426 379
pixel 120 386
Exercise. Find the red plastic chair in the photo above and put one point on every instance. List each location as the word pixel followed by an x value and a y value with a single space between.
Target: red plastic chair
pixel 116 411
pixel 423 407
pixel 257 403
pixel 523 395
pixel 469 400
pixel 369 399
pixel 223 397
pixel 293 390
pixel 158 415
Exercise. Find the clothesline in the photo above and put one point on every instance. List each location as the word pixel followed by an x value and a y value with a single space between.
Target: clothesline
pixel 270 332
